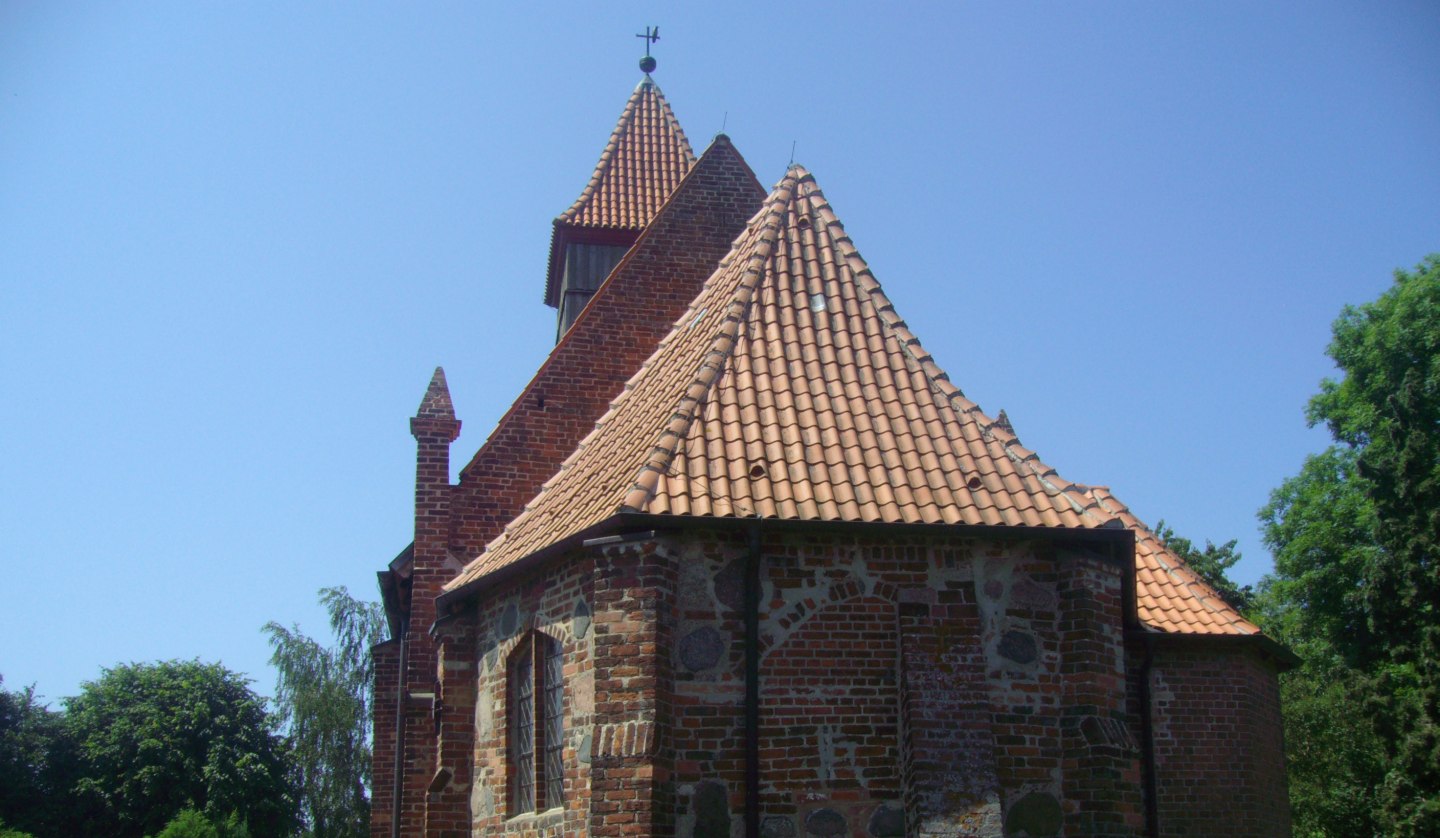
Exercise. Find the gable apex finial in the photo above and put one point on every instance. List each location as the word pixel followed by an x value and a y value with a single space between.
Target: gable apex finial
pixel 652 34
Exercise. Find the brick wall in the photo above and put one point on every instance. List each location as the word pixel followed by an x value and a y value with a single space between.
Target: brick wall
pixel 924 682
pixel 1219 751
pixel 558 602
pixel 1102 785
pixel 386 660
pixel 926 687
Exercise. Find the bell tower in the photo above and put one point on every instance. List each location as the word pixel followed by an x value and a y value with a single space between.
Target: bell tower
pixel 646 158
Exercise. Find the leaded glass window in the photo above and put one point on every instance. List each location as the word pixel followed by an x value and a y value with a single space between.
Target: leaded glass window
pixel 536 750
pixel 522 732
pixel 554 723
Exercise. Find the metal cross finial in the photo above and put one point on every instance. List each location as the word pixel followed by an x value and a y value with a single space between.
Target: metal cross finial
pixel 652 34
pixel 647 64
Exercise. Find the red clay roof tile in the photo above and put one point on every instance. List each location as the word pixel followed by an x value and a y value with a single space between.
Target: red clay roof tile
pixel 733 365
pixel 646 158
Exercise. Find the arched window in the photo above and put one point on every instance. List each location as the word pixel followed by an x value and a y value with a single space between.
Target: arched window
pixel 536 745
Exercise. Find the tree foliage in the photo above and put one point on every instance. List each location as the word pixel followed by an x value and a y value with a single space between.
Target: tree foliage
pixel 192 824
pixel 324 699
pixel 37 765
pixel 156 739
pixel 1356 588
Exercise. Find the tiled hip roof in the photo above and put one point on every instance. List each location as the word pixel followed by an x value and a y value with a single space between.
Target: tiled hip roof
pixel 792 390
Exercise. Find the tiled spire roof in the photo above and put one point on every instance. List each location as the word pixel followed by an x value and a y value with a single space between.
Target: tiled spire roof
pixel 646 158
pixel 792 390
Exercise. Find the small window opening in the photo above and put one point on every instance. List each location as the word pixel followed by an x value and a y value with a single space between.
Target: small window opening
pixel 536 748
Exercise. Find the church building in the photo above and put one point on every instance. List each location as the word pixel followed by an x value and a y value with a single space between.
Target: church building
pixel 741 560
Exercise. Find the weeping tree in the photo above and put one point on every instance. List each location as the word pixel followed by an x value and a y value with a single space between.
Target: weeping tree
pixel 323 696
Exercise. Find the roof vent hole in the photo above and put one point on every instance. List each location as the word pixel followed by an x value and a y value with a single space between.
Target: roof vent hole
pixel 974 483
pixel 757 471
pixel 803 222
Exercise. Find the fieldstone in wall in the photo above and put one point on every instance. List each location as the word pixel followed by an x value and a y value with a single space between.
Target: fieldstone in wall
pixel 825 823
pixel 580 623
pixel 1030 594
pixel 1018 647
pixel 509 620
pixel 730 585
pixel 482 800
pixel 484 714
pixel 582 751
pixel 694 585
pixel 701 649
pixel 711 807
pixel 583 692
pixel 1037 815
pixel 887 822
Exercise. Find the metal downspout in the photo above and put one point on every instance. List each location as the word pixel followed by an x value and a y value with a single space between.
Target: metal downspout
pixel 398 781
pixel 1147 743
pixel 752 685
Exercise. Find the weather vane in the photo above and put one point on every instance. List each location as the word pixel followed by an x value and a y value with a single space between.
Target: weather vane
pixel 652 34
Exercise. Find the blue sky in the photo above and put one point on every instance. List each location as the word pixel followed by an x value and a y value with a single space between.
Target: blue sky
pixel 235 239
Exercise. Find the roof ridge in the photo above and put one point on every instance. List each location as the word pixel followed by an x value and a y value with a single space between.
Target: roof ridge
pixel 623 126
pixel 939 380
pixel 714 361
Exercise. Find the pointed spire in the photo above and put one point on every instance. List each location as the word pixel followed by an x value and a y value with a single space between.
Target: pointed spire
pixel 646 158
pixel 436 403
pixel 642 164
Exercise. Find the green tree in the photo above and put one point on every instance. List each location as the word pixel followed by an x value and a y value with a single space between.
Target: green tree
pixel 1387 409
pixel 324 696
pixel 1212 563
pixel 1357 576
pixel 155 739
pixel 192 824
pixel 1320 526
pixel 37 766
